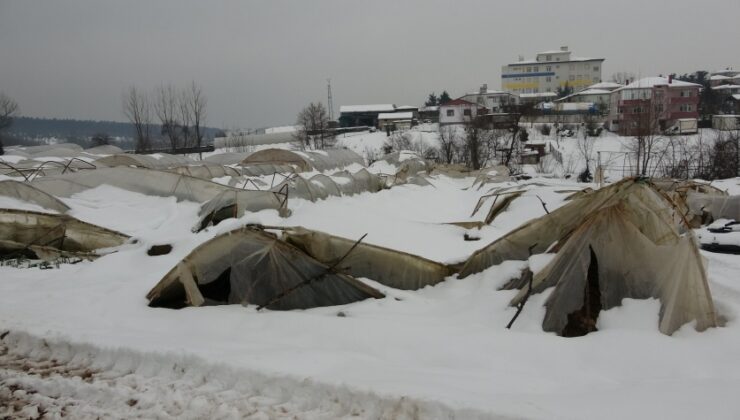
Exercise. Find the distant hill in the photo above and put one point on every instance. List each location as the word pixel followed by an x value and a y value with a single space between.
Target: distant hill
pixel 35 128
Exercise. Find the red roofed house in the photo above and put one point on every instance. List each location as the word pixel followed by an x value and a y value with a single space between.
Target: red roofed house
pixel 459 111
pixel 662 101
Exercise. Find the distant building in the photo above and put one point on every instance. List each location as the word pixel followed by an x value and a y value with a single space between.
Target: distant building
pixel 429 114
pixel 598 94
pixel 362 115
pixel 724 77
pixel 568 108
pixel 459 111
pixel 549 71
pixel 396 120
pixel 368 115
pixel 495 100
pixel 726 122
pixel 536 98
pixel 663 100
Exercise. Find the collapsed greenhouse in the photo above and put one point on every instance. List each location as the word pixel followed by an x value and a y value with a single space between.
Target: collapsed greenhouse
pixel 623 241
pixel 48 236
pixel 251 266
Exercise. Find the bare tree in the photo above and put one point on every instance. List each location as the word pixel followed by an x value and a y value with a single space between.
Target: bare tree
pixel 724 156
pixel 136 108
pixel 586 150
pixel 166 107
pixel 647 139
pixel 8 111
pixel 449 143
pixel 313 124
pixel 479 144
pixel 183 106
pixel 197 102
pixel 622 77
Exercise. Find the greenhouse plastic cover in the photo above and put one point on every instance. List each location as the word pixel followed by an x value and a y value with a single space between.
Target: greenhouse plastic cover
pixel 26 192
pixel 20 230
pixel 630 265
pixel 320 160
pixel 538 235
pixel 386 266
pixel 256 267
pixel 319 187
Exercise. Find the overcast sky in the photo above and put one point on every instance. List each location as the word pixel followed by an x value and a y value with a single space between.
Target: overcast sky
pixel 260 62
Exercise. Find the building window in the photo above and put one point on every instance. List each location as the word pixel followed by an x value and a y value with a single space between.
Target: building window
pixel 548 58
pixel 548 79
pixel 572 78
pixel 596 68
pixel 536 90
pixel 466 112
pixel 636 110
pixel 536 69
pixel 450 112
pixel 685 93
pixel 686 108
pixel 529 69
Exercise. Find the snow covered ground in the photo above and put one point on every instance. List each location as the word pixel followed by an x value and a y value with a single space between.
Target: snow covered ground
pixel 82 336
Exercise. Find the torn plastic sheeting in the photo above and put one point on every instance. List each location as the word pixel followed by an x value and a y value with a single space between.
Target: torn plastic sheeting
pixel 536 236
pixel 235 203
pixel 26 192
pixel 19 230
pixel 386 266
pixel 674 273
pixel 713 207
pixel 250 266
pixel 500 203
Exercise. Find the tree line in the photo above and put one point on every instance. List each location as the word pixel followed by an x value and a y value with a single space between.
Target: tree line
pixel 180 112
pixel 8 111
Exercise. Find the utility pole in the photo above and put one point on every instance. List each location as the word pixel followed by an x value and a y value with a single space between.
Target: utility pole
pixel 330 101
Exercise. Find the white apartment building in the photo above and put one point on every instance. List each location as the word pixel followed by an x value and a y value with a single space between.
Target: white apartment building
pixel 549 71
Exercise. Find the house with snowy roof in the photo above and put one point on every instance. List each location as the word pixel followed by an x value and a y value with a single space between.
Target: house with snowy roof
pixel 724 77
pixel 494 100
pixel 459 111
pixel 654 103
pixel 363 115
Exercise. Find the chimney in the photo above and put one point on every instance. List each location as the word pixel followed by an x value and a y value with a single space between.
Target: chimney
pixel 670 79
pixel 483 89
pixel 564 48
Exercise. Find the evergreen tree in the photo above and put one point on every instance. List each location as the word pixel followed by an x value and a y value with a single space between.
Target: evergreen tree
pixel 444 98
pixel 564 91
pixel 432 100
